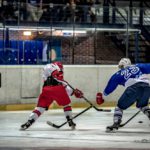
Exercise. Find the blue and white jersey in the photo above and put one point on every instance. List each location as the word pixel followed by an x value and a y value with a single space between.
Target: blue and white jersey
pixel 127 77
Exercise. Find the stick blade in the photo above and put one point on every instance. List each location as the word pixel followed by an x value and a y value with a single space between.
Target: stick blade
pixel 52 125
pixel 104 110
pixel 121 125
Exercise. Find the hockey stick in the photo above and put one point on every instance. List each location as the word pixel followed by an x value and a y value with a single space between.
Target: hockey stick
pixel 122 125
pixel 104 110
pixel 59 126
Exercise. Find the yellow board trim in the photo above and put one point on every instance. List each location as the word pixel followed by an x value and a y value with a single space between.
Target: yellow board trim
pixel 17 107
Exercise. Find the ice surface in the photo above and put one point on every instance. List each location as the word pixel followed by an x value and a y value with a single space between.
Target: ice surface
pixel 89 134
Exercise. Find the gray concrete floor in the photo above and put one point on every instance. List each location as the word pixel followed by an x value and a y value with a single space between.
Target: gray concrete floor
pixel 89 134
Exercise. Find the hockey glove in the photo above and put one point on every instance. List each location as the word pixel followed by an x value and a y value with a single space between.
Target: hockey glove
pixel 78 93
pixel 99 99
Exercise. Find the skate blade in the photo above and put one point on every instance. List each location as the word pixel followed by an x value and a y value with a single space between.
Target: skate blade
pixel 73 128
pixel 22 129
pixel 108 130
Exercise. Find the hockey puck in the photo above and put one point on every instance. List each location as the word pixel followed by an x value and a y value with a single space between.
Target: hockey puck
pixel 140 122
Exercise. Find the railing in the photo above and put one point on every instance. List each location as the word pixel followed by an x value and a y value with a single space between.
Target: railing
pixel 73 34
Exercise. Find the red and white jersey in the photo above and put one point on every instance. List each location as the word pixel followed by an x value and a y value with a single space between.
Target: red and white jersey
pixel 69 90
pixel 51 68
pixel 48 70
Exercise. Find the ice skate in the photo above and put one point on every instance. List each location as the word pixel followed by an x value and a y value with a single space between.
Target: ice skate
pixel 26 125
pixel 71 123
pixel 113 127
pixel 147 112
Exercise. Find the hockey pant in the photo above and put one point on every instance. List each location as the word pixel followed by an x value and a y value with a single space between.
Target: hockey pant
pixel 46 98
pixel 138 93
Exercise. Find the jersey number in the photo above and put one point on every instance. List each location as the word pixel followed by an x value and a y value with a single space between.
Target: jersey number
pixel 130 71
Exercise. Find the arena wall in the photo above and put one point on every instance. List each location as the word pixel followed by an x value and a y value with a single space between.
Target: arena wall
pixel 23 84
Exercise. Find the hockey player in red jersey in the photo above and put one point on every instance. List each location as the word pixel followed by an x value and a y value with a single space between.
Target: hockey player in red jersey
pixel 54 88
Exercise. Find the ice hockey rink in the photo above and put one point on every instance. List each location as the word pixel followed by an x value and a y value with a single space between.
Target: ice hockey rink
pixel 89 134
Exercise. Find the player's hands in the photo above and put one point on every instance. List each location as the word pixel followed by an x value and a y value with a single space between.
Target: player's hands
pixel 78 93
pixel 99 99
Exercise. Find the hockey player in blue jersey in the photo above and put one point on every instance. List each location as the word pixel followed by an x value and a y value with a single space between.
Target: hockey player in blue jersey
pixel 135 79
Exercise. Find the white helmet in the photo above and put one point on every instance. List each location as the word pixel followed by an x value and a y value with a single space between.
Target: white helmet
pixel 124 62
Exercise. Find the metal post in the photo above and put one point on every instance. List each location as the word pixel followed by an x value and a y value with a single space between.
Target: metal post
pixel 18 22
pixel 0 81
pixel 50 41
pixel 23 52
pixel 73 38
pixel 106 11
pixel 141 13
pixel 136 47
pixel 130 13
pixel 95 44
pixel 127 33
pixel 114 12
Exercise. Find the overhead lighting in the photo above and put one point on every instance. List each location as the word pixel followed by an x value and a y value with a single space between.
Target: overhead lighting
pixel 24 28
pixel 74 31
pixel 27 33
